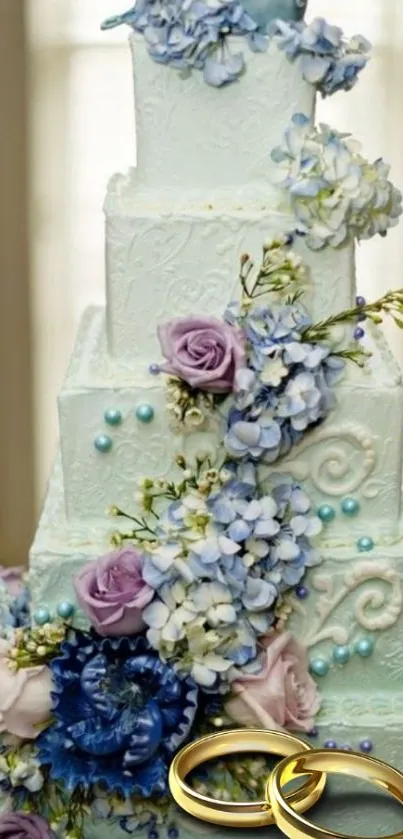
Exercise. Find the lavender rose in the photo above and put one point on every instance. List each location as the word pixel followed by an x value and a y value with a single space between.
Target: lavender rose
pixel 203 351
pixel 24 826
pixel 113 593
pixel 283 695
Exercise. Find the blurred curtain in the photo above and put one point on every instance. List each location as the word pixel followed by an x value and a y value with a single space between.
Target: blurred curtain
pixel 16 416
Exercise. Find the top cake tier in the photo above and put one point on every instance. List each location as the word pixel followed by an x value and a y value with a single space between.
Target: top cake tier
pixel 192 135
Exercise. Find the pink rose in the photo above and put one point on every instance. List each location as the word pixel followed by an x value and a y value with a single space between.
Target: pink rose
pixel 25 700
pixel 113 594
pixel 203 351
pixel 283 695
pixel 20 825
pixel 12 579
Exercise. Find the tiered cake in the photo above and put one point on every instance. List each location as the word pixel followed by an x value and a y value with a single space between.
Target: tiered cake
pixel 138 432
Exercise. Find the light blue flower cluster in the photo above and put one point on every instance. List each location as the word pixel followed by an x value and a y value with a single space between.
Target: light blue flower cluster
pixel 286 387
pixel 334 192
pixel 327 59
pixel 194 35
pixel 224 558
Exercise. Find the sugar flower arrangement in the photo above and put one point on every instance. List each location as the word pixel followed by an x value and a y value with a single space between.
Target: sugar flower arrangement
pixel 334 193
pixel 200 35
pixel 188 612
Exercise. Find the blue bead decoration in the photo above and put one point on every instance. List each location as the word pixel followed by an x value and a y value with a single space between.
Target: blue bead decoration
pixel 350 506
pixel 302 592
pixel 154 369
pixel 173 833
pixel 313 732
pixel 103 443
pixel 330 744
pixel 113 416
pixel 361 318
pixel 326 513
pixel 145 413
pixel 365 544
pixel 42 616
pixel 319 667
pixel 341 654
pixel 366 746
pixel 65 609
pixel 360 301
pixel 358 333
pixel 364 647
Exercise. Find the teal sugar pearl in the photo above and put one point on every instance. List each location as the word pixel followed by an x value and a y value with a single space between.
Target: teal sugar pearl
pixel 103 443
pixel 319 667
pixel 42 616
pixel 341 654
pixel 364 647
pixel 326 513
pixel 145 413
pixel 113 417
pixel 350 507
pixel 365 544
pixel 65 609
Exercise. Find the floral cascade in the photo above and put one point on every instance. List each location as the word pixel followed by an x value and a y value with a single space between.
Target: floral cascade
pixel 188 612
pixel 200 35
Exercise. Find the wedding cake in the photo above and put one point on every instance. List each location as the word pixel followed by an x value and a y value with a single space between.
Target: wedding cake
pixel 220 543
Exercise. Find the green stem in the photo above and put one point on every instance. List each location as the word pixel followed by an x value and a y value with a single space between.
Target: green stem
pixel 390 304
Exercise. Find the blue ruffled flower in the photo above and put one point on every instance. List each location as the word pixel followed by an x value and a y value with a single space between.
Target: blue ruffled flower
pixel 327 59
pixel 119 712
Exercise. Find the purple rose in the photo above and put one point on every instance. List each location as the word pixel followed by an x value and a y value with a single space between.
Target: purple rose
pixel 24 826
pixel 113 594
pixel 203 351
pixel 12 579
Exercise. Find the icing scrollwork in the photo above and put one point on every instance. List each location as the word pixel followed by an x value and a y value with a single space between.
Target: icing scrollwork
pixel 376 608
pixel 339 459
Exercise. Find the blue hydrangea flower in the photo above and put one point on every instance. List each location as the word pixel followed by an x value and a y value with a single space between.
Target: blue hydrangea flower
pixel 194 35
pixel 334 192
pixel 119 715
pixel 327 59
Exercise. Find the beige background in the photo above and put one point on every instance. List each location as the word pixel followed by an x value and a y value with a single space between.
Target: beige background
pixel 16 458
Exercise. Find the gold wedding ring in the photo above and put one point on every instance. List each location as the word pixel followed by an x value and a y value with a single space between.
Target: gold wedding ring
pixel 243 813
pixel 342 763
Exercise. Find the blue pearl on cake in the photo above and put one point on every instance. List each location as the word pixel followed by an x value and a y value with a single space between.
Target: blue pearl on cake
pixel 65 609
pixel 360 301
pixel 154 369
pixel 302 592
pixel 341 654
pixel 319 667
pixel 42 616
pixel 366 746
pixel 365 544
pixel 145 413
pixel 364 647
pixel 103 443
pixel 350 506
pixel 326 513
pixel 358 333
pixel 313 732
pixel 113 416
pixel 330 744
pixel 173 833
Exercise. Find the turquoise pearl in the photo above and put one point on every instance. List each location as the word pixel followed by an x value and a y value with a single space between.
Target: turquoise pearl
pixel 113 417
pixel 42 616
pixel 319 666
pixel 365 544
pixel 145 413
pixel 103 443
pixel 341 655
pixel 350 506
pixel 364 647
pixel 65 609
pixel 326 513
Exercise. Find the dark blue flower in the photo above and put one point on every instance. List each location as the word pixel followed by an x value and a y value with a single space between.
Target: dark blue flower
pixel 119 715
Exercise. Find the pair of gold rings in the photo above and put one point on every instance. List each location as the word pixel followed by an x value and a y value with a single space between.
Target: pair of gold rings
pixel 284 809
